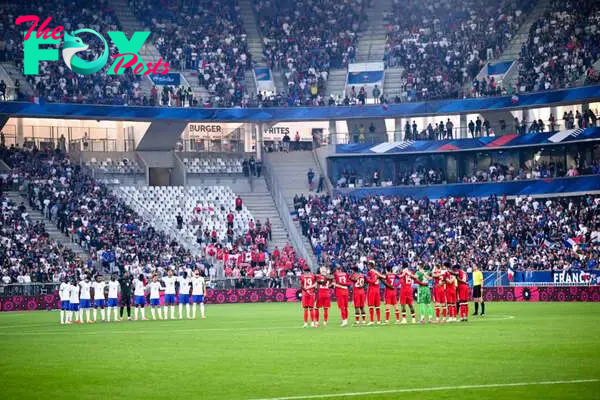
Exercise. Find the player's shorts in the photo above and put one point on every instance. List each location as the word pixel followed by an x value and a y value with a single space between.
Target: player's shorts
pixel 139 300
pixel 463 293
pixel 84 303
pixel 155 302
pixel 406 296
pixel 184 299
pixel 99 303
pixel 323 302
pixel 74 306
pixel 359 298
pixel 451 296
pixel 65 305
pixel 374 297
pixel 476 291
pixel 342 300
pixel 113 302
pixel 424 296
pixel 440 294
pixel 390 298
pixel 198 298
pixel 308 300
pixel 169 299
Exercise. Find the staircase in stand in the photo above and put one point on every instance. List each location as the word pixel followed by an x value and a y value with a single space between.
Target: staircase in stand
pixel 371 43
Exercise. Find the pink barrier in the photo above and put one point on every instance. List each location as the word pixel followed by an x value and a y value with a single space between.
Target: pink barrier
pixel 577 293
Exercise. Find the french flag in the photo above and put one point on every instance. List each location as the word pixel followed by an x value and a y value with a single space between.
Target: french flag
pixel 511 274
pixel 572 242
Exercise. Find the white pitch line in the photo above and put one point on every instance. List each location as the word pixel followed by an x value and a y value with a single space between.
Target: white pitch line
pixel 431 389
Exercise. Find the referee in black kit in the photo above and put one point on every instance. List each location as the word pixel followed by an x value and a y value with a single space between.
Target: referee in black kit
pixel 126 287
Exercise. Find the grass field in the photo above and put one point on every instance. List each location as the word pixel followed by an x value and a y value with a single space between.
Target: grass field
pixel 260 351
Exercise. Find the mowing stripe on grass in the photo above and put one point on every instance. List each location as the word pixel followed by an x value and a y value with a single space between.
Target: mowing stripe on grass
pixel 430 389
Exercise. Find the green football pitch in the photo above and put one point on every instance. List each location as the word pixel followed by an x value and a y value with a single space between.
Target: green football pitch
pixel 260 351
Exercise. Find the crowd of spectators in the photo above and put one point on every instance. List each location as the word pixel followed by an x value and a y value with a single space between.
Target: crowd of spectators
pixel 55 82
pixel 115 236
pixel 493 233
pixel 201 35
pixel 306 38
pixel 27 253
pixel 443 44
pixel 562 46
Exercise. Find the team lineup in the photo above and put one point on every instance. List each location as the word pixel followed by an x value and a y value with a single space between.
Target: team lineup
pixel 116 295
pixel 450 286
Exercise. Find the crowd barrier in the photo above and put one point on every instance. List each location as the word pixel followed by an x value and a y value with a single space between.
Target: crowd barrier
pixel 50 301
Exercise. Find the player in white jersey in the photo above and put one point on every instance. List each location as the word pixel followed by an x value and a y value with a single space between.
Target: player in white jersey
pixel 184 295
pixel 113 298
pixel 99 302
pixel 198 291
pixel 155 297
pixel 64 294
pixel 86 299
pixel 74 302
pixel 139 297
pixel 169 282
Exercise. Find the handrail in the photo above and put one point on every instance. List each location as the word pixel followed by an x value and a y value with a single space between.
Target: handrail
pixel 284 210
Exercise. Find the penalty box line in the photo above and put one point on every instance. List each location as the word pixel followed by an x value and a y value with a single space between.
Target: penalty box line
pixel 433 389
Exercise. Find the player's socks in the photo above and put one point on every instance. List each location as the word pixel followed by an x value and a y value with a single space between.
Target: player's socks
pixel 62 316
pixel 103 313
pixel 153 312
pixel 194 311
pixel 325 315
pixel 413 318
pixel 115 312
pixel 444 312
pixel 397 315
pixel 172 312
pixel 437 312
pixel 159 312
pixel 422 311
pixel 387 316
pixel 378 312
pixel 317 316
pixel 95 314
pixel 143 313
pixel 305 316
pixel 482 308
pixel 202 310
pixel 166 309
pixel 135 313
pixel 476 308
pixel 357 317
pixel 430 311
pixel 187 311
pixel 371 316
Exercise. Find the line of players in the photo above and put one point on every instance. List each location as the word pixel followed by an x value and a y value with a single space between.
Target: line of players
pixel 449 284
pixel 76 297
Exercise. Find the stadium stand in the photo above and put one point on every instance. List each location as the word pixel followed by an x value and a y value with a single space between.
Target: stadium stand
pixel 562 46
pixel 497 233
pixel 306 38
pixel 204 36
pixel 121 166
pixel 212 164
pixel 442 45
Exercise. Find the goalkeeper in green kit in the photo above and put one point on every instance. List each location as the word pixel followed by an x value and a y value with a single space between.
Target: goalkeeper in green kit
pixel 424 294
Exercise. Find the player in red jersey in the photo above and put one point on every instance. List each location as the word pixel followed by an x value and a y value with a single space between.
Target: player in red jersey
pixel 450 295
pixel 390 295
pixel 407 278
pixel 308 283
pixel 341 284
pixel 439 293
pixel 373 293
pixel 358 296
pixel 463 291
pixel 323 300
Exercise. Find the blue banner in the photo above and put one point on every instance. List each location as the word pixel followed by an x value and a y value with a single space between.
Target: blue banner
pixel 499 68
pixel 262 74
pixel 560 277
pixel 586 94
pixel 580 184
pixel 172 79
pixel 365 77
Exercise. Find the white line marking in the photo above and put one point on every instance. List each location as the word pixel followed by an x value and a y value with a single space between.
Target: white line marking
pixel 431 389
